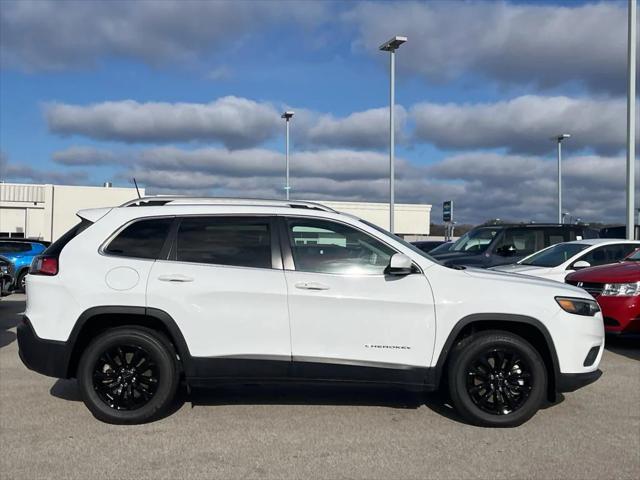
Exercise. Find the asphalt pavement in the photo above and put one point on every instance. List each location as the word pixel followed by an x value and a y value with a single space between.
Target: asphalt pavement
pixel 313 432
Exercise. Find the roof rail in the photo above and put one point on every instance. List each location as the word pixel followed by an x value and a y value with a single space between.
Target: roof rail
pixel 164 200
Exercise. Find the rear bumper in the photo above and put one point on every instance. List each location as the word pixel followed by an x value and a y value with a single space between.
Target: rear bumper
pixel 569 382
pixel 48 357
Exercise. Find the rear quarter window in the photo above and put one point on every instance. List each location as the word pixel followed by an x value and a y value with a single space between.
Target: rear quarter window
pixel 141 239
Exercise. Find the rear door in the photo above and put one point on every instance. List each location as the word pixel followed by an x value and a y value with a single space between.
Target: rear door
pixel 224 286
pixel 348 319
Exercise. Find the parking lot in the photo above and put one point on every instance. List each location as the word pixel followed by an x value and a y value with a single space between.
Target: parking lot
pixel 304 432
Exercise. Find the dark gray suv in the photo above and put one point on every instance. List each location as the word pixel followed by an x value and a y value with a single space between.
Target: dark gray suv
pixel 488 246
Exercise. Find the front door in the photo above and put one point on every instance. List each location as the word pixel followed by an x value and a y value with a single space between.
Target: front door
pixel 348 319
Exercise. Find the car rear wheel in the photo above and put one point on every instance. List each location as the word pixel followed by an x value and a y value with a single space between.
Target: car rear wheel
pixel 21 282
pixel 128 375
pixel 496 379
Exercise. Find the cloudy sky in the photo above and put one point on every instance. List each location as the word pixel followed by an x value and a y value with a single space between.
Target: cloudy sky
pixel 186 96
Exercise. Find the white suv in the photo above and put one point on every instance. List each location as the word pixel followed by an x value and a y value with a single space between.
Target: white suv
pixel 135 299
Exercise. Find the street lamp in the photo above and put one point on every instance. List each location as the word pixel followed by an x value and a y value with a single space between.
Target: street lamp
pixel 391 46
pixel 287 116
pixel 631 117
pixel 559 139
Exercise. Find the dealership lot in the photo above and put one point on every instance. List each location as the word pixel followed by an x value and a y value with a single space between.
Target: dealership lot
pixel 277 432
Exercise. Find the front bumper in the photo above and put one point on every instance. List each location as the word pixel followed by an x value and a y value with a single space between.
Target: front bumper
pixel 621 314
pixel 48 357
pixel 569 382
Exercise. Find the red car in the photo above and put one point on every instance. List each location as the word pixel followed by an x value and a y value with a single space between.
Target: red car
pixel 617 289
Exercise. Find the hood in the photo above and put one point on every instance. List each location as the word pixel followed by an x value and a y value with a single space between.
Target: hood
pixel 622 272
pixel 517 278
pixel 522 269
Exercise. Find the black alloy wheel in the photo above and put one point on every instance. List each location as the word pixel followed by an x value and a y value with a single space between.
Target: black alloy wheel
pixel 496 379
pixel 499 381
pixel 128 375
pixel 125 377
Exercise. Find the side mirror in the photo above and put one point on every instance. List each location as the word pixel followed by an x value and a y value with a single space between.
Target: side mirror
pixel 400 264
pixel 507 250
pixel 581 264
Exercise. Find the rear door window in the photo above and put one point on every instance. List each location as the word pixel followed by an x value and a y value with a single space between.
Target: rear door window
pixel 231 241
pixel 141 239
pixel 608 254
pixel 525 240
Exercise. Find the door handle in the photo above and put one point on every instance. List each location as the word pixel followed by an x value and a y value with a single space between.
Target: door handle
pixel 312 286
pixel 175 278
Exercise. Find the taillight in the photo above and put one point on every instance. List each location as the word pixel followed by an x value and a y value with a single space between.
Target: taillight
pixel 43 265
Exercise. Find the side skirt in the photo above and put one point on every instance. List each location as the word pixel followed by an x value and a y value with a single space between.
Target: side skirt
pixel 216 371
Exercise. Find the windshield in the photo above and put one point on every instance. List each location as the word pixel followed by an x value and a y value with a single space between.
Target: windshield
pixel 398 239
pixel 442 248
pixel 476 241
pixel 635 256
pixel 554 255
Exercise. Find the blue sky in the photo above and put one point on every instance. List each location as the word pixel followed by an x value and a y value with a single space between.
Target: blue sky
pixel 186 97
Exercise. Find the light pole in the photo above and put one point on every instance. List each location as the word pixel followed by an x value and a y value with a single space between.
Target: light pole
pixel 391 46
pixel 559 139
pixel 631 118
pixel 287 116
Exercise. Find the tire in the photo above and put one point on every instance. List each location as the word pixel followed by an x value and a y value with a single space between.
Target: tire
pixel 20 281
pixel 496 379
pixel 137 390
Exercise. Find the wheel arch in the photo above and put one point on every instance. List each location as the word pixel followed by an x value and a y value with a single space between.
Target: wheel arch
pixel 96 320
pixel 529 328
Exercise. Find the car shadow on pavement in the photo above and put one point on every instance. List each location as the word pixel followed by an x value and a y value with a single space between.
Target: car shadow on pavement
pixel 626 346
pixel 296 394
pixel 9 318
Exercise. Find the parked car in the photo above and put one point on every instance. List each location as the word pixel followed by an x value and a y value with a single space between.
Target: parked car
pixel 134 299
pixel 617 289
pixel 21 252
pixel 559 260
pixel 6 277
pixel 428 245
pixel 503 244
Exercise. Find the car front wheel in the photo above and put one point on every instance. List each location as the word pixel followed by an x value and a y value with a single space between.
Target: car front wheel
pixel 128 375
pixel 496 379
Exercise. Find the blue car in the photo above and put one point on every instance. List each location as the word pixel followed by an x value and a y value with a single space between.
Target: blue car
pixel 20 253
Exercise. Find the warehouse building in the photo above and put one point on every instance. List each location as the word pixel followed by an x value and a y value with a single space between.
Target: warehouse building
pixel 47 211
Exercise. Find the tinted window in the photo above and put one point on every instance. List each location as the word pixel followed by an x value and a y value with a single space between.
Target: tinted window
pixel 236 242
pixel 477 240
pixel 14 247
pixel 142 239
pixel 328 247
pixel 555 255
pixel 525 240
pixel 608 254
pixel 56 247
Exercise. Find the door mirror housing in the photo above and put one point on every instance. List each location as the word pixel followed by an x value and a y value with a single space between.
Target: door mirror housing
pixel 581 264
pixel 400 264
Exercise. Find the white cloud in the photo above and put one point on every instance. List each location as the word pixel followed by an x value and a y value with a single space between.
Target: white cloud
pixel 11 172
pixel 368 129
pixel 544 45
pixel 235 122
pixel 482 185
pixel 81 155
pixel 59 35
pixel 524 124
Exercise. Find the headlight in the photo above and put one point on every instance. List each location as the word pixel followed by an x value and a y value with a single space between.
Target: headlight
pixel 4 269
pixel 578 306
pixel 621 289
